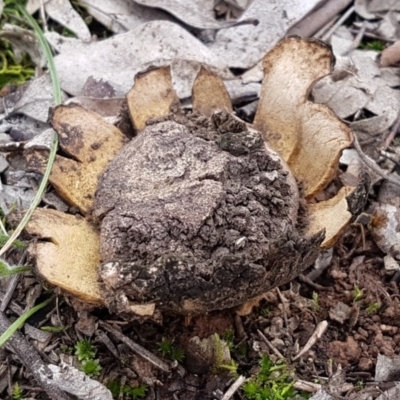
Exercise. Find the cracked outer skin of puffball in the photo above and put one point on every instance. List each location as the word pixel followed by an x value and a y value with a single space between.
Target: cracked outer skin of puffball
pixel 195 225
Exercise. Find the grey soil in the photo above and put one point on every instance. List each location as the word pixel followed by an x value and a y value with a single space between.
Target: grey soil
pixel 197 216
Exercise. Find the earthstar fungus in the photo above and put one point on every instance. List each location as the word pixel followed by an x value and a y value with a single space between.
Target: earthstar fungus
pixel 197 212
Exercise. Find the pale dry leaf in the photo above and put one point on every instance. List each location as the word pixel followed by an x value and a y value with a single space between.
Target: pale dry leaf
pixel 388 28
pixel 386 233
pixel 62 44
pixel 63 12
pixel 244 46
pixel 118 59
pixel 1 7
pixel 362 9
pixel 69 255
pixel 15 197
pixel 120 16
pixel 197 13
pixel 23 41
pixel 36 99
pixel 240 91
pixel 297 128
pixel 254 74
pixel 152 96
pixel 356 84
pixel 76 382
pixel 107 108
pixel 183 75
pixel 210 94
pixel 378 6
pixel 90 142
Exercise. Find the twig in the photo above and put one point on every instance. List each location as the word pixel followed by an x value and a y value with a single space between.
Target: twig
pixel 32 361
pixel 357 40
pixel 11 287
pixel 270 345
pixel 305 279
pixel 137 348
pixel 284 302
pixel 309 387
pixel 319 18
pixel 319 331
pixel 13 306
pixel 9 292
pixel 387 155
pixel 43 16
pixel 338 23
pixel 372 164
pixel 233 388
pixel 393 133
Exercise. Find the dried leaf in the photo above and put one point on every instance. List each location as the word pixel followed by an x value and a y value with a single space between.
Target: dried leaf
pixel 118 59
pixel 152 96
pixel 384 228
pixel 121 16
pixel 244 46
pixel 210 94
pixel 70 256
pixel 356 84
pixel 63 12
pixel 90 142
pixel 23 41
pixel 36 100
pixel 197 13
pixel 297 128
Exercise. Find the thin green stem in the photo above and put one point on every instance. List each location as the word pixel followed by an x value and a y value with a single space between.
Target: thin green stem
pixel 53 151
pixel 20 321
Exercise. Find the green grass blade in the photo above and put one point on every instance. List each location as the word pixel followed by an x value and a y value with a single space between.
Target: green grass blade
pixel 53 151
pixel 20 321
pixel 47 52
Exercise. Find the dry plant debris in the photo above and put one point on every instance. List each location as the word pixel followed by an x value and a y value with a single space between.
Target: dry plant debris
pixel 197 212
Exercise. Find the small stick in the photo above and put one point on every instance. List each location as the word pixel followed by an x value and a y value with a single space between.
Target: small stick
pixel 338 23
pixel 270 345
pixel 233 388
pixel 137 348
pixel 9 292
pixel 11 287
pixel 387 155
pixel 357 40
pixel 319 331
pixel 372 164
pixel 309 387
pixel 393 133
pixel 284 302
pixel 313 22
pixel 32 361
pixel 325 28
pixel 43 16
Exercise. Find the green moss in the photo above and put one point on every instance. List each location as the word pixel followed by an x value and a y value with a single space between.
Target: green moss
pixel 274 381
pixel 376 45
pixel 13 71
